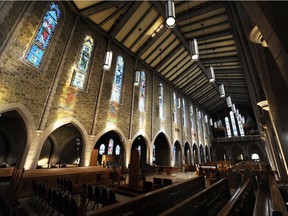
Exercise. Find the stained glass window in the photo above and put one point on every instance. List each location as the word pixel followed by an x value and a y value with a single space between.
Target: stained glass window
pixel 184 113
pixel 234 127
pixel 142 91
pixel 43 37
pixel 139 150
pixel 117 150
pixel 175 107
pixel 161 107
pixel 240 126
pixel 102 149
pixel 228 129
pixel 118 79
pixel 154 153
pixel 81 70
pixel 110 147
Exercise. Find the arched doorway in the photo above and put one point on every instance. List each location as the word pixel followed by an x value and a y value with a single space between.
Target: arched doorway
pixel 207 154
pixel 187 154
pixel 255 153
pixel 62 147
pixel 237 154
pixel 109 150
pixel 195 154
pixel 202 155
pixel 221 153
pixel 161 151
pixel 13 137
pixel 140 144
pixel 177 156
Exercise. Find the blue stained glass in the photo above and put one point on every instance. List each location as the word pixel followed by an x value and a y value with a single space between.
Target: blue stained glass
pixel 43 36
pixel 35 56
pixel 142 91
pixel 117 85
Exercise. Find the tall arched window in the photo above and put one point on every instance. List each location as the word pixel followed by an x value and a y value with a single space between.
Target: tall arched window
pixel 118 79
pixel 184 113
pixel 175 107
pixel 102 149
pixel 43 37
pixel 234 127
pixel 142 91
pixel 117 150
pixel 228 129
pixel 161 107
pixel 110 147
pixel 81 71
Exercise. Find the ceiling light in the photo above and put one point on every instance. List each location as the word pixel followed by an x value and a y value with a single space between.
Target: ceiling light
pixel 205 118
pixel 194 51
pixel 160 90
pixel 222 91
pixel 108 60
pixel 137 78
pixel 170 14
pixel 233 108
pixel 229 101
pixel 211 75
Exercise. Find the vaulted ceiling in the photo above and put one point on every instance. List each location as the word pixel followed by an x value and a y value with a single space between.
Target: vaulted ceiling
pixel 140 27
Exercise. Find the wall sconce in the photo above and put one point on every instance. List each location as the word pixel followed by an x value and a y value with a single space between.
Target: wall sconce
pixel 222 91
pixel 229 101
pixel 178 103
pixel 160 88
pixel 211 74
pixel 108 60
pixel 211 121
pixel 194 51
pixel 170 14
pixel 137 78
pixel 233 108
pixel 205 118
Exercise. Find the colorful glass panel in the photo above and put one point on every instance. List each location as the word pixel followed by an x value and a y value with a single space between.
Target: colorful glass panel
pixel 234 127
pixel 80 72
pixel 161 108
pixel 228 129
pixel 142 91
pixel 175 107
pixel 118 78
pixel 43 37
pixel 110 147
pixel 102 149
pixel 184 113
pixel 117 150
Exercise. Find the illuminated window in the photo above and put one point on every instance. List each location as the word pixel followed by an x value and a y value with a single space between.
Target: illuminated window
pixel 81 71
pixel 102 149
pixel 118 79
pixel 161 107
pixel 184 113
pixel 175 108
pixel 142 91
pixel 110 147
pixel 139 150
pixel 255 157
pixel 43 37
pixel 234 127
pixel 117 150
pixel 154 154
pixel 228 129
pixel 240 126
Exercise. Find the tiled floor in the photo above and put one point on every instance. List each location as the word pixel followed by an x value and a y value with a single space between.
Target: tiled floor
pixel 35 210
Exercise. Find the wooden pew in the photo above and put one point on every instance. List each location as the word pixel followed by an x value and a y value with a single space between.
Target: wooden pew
pixel 261 207
pixel 242 202
pixel 277 204
pixel 205 202
pixel 155 202
pixel 78 176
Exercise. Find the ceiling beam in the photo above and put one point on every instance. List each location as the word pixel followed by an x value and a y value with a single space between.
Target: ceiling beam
pixel 96 8
pixel 206 28
pixel 198 10
pixel 118 26
pixel 169 56
pixel 184 74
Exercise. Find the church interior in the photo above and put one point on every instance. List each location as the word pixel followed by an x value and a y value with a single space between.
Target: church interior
pixel 143 108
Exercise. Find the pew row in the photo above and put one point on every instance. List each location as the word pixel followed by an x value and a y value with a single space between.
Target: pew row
pixel 49 177
pixel 206 202
pixel 154 202
pixel 242 202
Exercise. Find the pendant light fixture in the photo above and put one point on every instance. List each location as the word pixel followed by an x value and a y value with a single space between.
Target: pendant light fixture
pixel 229 101
pixel 199 114
pixel 222 91
pixel 211 121
pixel 160 88
pixel 211 74
pixel 170 14
pixel 178 102
pixel 108 60
pixel 137 78
pixel 194 50
pixel 205 118
pixel 233 108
